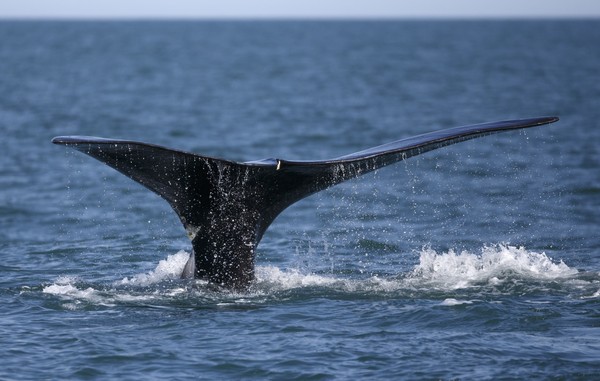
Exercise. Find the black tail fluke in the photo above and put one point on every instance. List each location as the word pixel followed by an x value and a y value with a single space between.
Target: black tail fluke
pixel 226 206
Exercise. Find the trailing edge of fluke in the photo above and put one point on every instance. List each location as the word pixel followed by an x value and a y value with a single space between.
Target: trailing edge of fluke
pixel 226 206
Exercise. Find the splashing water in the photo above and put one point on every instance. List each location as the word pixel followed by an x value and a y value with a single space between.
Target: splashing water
pixel 493 265
pixel 435 271
pixel 169 268
pixel 65 286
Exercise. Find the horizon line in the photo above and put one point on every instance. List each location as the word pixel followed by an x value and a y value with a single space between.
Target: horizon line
pixel 307 18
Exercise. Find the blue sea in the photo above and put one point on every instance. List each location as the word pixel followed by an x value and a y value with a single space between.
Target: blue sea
pixel 477 261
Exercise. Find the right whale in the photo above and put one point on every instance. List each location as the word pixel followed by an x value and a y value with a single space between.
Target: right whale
pixel 227 206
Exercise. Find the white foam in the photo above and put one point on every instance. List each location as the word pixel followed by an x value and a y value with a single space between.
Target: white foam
pixel 446 271
pixel 292 278
pixel 455 302
pixel 492 266
pixel 64 286
pixel 595 295
pixel 169 268
pixel 271 278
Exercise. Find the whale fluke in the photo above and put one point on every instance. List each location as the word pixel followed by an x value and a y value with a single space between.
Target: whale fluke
pixel 227 206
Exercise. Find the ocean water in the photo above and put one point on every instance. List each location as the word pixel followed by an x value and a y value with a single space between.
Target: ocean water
pixel 476 261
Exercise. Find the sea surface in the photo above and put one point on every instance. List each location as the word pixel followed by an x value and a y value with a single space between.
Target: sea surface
pixel 478 261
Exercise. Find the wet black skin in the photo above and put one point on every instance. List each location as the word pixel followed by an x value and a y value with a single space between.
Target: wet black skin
pixel 226 206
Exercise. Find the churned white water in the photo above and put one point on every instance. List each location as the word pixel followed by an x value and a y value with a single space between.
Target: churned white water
pixel 169 268
pixel 492 265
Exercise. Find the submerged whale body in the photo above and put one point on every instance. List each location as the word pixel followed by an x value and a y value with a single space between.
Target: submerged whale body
pixel 226 206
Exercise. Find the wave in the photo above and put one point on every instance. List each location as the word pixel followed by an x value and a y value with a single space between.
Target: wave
pixel 494 269
pixel 494 265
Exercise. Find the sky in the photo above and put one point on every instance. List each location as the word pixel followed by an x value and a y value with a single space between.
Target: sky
pixel 297 8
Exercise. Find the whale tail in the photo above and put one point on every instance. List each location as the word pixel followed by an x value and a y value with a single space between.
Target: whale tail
pixel 227 206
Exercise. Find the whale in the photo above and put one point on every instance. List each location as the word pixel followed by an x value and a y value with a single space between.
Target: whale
pixel 227 206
